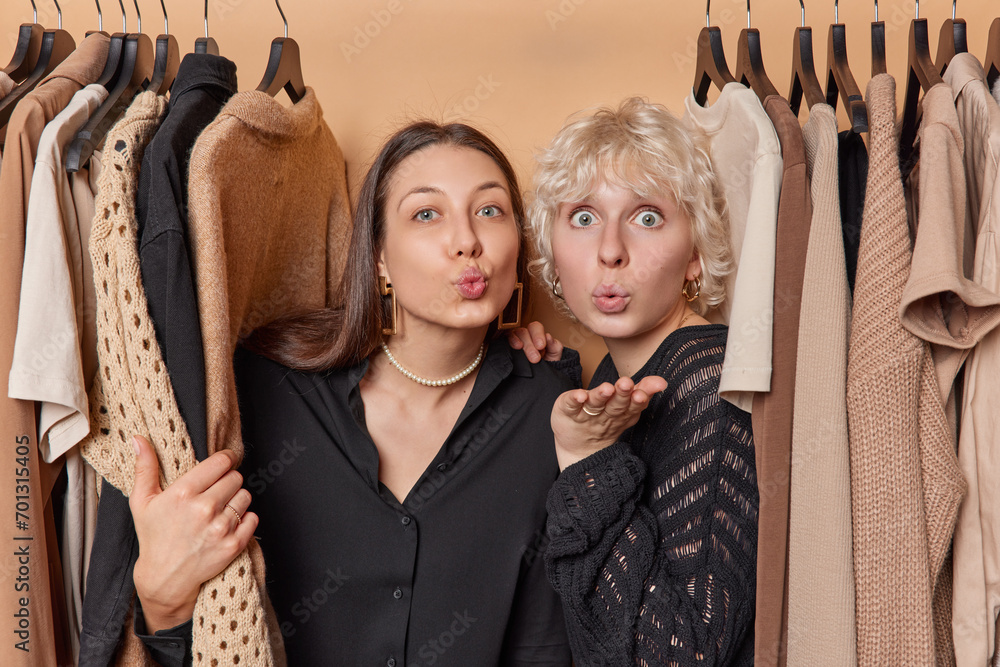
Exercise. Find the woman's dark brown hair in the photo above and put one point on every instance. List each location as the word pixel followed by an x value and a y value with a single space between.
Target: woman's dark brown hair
pixel 343 336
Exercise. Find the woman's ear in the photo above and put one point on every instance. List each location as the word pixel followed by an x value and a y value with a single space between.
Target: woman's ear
pixel 380 264
pixel 696 266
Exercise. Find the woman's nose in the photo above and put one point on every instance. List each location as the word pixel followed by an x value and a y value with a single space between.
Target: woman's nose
pixel 465 241
pixel 612 251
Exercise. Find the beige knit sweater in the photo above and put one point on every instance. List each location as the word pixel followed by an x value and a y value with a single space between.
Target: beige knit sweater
pixel 269 229
pixel 821 616
pixel 132 394
pixel 905 482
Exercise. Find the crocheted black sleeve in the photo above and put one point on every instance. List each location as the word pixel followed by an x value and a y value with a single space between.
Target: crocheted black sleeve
pixel 653 541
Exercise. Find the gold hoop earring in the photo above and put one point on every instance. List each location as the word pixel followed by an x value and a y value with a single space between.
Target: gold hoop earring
pixel 686 290
pixel 557 288
pixel 385 289
pixel 519 288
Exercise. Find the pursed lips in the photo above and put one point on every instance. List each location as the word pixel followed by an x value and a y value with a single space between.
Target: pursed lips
pixel 610 298
pixel 471 283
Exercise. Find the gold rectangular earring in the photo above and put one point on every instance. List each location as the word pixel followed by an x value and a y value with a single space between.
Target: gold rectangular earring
pixel 519 288
pixel 385 289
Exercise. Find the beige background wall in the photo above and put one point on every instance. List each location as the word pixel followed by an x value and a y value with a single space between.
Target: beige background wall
pixel 515 68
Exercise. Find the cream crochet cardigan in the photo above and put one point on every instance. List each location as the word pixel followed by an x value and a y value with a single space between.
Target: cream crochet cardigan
pixel 233 622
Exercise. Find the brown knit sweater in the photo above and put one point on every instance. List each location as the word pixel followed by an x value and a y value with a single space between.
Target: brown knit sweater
pixel 269 228
pixel 905 482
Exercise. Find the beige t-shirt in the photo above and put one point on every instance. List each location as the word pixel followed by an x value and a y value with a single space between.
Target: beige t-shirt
pixel 54 352
pixel 976 566
pixel 746 156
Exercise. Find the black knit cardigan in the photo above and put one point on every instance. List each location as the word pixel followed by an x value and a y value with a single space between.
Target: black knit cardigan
pixel 653 540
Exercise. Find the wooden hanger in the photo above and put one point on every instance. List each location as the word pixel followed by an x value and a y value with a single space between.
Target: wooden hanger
pixel 951 40
pixel 284 67
pixel 922 74
pixel 750 64
pixel 992 61
pixel 206 44
pixel 878 45
pixel 27 49
pixel 134 72
pixel 710 66
pixel 839 79
pixel 55 46
pixel 804 79
pixel 166 60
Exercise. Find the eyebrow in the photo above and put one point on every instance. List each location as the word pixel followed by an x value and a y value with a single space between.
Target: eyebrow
pixel 590 198
pixel 429 189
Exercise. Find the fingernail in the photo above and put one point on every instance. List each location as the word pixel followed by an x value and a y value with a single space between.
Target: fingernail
pixel 135 444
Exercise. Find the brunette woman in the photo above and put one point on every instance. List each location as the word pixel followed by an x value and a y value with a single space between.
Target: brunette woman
pixel 397 450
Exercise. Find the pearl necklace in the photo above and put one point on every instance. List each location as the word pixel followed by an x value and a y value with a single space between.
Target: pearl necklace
pixel 434 383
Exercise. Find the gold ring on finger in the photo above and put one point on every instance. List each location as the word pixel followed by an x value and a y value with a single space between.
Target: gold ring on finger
pixel 239 517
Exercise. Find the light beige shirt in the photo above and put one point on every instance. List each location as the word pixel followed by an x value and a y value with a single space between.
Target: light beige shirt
pixel 55 352
pixel 976 566
pixel 821 618
pixel 746 157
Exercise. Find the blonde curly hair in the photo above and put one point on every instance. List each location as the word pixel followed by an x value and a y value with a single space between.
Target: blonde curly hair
pixel 645 148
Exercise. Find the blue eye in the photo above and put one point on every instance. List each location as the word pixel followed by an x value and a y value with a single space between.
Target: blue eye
pixel 649 219
pixel 582 219
pixel 426 215
pixel 489 211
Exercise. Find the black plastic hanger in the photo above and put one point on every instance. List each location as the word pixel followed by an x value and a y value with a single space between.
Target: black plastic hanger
pixel 166 60
pixel 284 67
pixel 992 61
pixel 55 47
pixel 839 79
pixel 710 66
pixel 951 40
pixel 804 79
pixel 116 47
pixel 135 70
pixel 922 74
pixel 206 44
pixel 878 45
pixel 29 44
pixel 750 64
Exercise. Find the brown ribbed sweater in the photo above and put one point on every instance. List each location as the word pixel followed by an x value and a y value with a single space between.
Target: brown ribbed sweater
pixel 269 227
pixel 905 483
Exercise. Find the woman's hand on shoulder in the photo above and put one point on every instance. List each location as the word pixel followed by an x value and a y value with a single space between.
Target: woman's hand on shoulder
pixel 187 534
pixel 586 421
pixel 537 344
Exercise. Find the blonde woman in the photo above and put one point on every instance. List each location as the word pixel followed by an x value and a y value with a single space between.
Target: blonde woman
pixel 653 519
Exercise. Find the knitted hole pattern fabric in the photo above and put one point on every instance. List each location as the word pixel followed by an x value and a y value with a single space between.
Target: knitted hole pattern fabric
pixel 653 540
pixel 133 395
